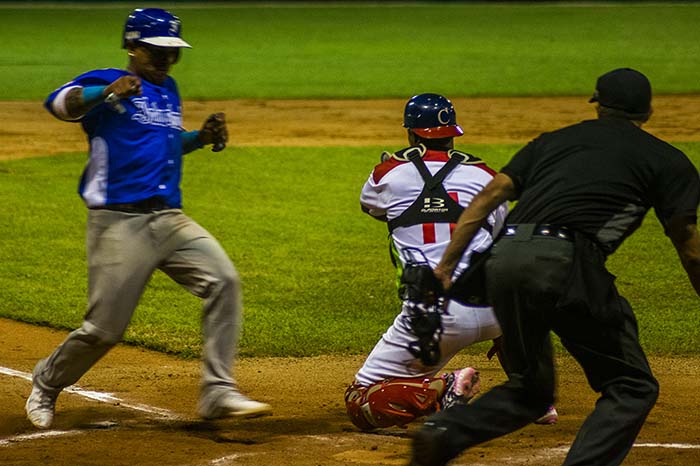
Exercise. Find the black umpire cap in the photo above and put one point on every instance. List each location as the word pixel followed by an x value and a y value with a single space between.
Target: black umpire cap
pixel 624 89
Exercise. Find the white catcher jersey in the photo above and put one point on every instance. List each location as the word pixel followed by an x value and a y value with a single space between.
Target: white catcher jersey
pixel 395 184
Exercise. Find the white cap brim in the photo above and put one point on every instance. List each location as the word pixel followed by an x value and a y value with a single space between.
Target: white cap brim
pixel 166 42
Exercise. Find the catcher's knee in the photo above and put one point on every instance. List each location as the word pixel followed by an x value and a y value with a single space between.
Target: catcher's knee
pixel 393 402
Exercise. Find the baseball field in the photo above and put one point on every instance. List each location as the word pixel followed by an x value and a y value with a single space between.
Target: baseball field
pixel 313 93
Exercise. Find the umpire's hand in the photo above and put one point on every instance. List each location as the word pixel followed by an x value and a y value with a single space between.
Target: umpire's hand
pixel 444 276
pixel 214 131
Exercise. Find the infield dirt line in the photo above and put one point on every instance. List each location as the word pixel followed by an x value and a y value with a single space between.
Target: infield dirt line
pixel 679 446
pixel 228 459
pixel 39 435
pixel 102 397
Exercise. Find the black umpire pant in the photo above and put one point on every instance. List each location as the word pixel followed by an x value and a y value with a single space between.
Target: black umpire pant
pixel 526 277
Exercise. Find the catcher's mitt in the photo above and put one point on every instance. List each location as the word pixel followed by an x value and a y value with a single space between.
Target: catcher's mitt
pixel 423 297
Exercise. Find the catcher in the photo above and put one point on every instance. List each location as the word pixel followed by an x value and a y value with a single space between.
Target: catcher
pixel 420 192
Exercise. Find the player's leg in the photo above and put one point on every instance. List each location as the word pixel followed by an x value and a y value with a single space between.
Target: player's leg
pixel 465 325
pixel 120 262
pixel 524 283
pixel 390 358
pixel 393 387
pixel 617 368
pixel 199 263
pixel 393 402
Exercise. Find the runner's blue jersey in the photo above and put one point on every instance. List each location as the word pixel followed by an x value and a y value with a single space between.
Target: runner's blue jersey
pixel 134 155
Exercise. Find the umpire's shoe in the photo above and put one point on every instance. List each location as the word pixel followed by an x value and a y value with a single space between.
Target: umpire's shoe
pixel 40 407
pixel 232 403
pixel 430 446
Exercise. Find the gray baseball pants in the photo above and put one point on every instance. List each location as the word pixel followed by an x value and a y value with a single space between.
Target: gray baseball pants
pixel 124 250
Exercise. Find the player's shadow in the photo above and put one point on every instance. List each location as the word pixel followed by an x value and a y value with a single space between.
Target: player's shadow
pixel 264 429
pixel 229 430
pixel 257 430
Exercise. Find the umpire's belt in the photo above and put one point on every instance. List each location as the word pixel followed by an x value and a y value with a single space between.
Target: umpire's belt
pixel 146 206
pixel 527 230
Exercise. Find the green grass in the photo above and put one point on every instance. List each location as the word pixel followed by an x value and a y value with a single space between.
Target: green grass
pixel 364 51
pixel 316 272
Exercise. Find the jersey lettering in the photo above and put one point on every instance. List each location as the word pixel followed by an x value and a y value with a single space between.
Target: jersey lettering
pixel 149 114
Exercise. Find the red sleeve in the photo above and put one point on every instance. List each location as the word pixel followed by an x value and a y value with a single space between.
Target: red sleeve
pixel 384 168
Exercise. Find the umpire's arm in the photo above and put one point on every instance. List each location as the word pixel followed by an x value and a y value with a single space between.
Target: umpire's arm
pixel 499 190
pixel 684 234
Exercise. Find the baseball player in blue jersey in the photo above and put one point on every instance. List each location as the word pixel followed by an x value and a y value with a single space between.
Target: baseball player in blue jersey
pixel 131 186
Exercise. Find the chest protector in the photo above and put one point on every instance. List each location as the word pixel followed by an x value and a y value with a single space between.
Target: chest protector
pixel 433 204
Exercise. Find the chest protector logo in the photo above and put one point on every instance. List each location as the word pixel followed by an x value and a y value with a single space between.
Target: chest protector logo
pixel 434 204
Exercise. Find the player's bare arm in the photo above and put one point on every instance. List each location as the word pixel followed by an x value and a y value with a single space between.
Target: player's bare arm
pixel 499 190
pixel 685 236
pixel 79 100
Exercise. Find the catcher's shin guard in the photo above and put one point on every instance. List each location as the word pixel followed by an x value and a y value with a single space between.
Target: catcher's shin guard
pixel 393 402
pixel 424 302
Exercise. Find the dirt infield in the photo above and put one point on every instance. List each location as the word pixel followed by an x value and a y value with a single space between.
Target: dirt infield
pixel 308 426
pixel 28 130
pixel 149 419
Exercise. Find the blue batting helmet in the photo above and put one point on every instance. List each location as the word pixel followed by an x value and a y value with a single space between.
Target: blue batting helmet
pixel 431 116
pixel 153 26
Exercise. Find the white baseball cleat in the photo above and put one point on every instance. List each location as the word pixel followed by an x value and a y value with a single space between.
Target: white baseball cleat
pixel 232 404
pixel 40 408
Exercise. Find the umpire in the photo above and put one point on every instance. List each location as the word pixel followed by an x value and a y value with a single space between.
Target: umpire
pixel 581 191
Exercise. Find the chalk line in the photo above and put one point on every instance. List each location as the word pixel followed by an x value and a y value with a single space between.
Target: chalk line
pixel 681 446
pixel 102 397
pixel 38 435
pixel 226 460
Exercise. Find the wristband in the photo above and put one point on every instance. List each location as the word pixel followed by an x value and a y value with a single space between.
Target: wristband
pixel 190 141
pixel 93 94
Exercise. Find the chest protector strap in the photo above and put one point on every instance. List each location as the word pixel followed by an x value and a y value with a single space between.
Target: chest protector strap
pixel 433 205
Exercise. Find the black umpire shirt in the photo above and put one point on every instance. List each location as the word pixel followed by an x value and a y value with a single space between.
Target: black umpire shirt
pixel 599 178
